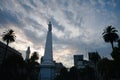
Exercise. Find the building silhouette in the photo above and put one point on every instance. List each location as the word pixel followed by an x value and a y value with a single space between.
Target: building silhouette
pixel 10 51
pixel 79 61
pixel 93 58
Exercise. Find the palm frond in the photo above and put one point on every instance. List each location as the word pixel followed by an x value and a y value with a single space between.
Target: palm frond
pixel 9 36
pixel 110 34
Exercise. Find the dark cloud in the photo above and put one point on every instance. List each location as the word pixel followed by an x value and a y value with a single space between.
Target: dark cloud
pixel 33 37
pixel 35 24
pixel 69 15
pixel 44 2
pixel 64 3
pixel 73 18
pixel 57 25
pixel 33 3
pixel 27 7
pixel 7 17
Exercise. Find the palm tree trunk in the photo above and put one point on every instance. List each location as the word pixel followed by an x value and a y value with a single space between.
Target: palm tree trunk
pixel 112 44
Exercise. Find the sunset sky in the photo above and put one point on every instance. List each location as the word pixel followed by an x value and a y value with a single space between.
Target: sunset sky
pixel 77 25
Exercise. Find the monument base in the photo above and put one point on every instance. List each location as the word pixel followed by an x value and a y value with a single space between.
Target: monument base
pixel 46 72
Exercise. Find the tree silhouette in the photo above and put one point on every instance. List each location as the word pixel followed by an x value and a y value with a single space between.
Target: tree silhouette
pixel 110 35
pixel 8 37
pixel 33 66
pixel 73 73
pixel 104 68
pixel 116 52
pixel 34 57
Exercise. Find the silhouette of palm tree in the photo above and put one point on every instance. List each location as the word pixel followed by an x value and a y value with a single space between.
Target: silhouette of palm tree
pixel 110 35
pixel 8 37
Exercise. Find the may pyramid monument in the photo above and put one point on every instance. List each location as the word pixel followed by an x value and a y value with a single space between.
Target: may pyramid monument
pixel 47 63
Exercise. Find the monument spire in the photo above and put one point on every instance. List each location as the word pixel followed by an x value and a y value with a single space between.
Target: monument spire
pixel 48 54
pixel 47 63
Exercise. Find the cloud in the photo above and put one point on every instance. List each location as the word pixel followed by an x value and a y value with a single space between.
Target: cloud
pixel 77 25
pixel 7 17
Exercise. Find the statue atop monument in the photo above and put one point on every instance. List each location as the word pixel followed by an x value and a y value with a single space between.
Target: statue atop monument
pixel 50 27
pixel 27 53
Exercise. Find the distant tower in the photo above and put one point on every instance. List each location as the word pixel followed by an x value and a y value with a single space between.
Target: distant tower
pixel 27 54
pixel 47 64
